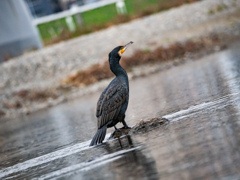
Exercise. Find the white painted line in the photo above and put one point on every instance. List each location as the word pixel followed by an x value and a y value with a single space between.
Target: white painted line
pixel 45 158
pixel 217 104
pixel 76 148
pixel 85 166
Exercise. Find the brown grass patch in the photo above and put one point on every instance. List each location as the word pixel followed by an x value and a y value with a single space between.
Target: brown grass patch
pixel 141 127
pixel 13 104
pixel 96 73
pixel 144 126
pixel 36 95
pixel 140 57
pixel 2 113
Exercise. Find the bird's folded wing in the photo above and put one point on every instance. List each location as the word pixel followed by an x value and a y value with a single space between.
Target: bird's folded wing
pixel 109 106
pixel 100 102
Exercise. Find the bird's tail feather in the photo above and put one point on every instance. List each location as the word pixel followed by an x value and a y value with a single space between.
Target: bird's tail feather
pixel 99 136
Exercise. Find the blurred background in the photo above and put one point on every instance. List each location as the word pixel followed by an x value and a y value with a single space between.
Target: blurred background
pixel 43 22
pixel 183 69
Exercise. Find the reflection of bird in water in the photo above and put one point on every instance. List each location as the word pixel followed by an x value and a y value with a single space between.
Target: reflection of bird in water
pixel 113 102
pixel 135 163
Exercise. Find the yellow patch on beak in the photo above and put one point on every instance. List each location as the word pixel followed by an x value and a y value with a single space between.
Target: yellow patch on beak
pixel 122 50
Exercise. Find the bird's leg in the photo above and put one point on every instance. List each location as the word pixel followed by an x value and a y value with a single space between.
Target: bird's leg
pixel 120 142
pixel 116 128
pixel 125 125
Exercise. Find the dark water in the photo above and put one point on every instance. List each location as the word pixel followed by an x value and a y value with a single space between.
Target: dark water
pixel 202 141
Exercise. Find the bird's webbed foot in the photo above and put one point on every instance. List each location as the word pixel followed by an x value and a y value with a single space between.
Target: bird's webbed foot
pixel 117 128
pixel 125 126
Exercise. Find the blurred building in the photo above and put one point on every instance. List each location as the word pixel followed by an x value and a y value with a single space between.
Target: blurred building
pixel 41 8
pixel 67 4
pixel 17 33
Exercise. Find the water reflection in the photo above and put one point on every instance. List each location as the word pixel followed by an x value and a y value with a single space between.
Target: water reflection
pixel 135 163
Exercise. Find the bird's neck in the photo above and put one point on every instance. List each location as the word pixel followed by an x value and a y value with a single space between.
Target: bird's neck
pixel 117 69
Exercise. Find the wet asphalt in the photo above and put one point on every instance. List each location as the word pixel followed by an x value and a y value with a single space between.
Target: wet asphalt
pixel 201 100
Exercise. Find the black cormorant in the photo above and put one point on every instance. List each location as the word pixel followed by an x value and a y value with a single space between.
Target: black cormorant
pixel 113 102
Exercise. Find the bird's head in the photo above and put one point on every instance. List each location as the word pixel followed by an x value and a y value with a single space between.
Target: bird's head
pixel 118 51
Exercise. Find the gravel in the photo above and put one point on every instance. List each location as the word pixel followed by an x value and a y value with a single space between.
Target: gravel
pixel 46 68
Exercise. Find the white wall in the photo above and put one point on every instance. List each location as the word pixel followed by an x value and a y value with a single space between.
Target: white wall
pixel 17 34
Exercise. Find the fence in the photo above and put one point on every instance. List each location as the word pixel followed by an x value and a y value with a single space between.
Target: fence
pixel 53 25
pixel 80 9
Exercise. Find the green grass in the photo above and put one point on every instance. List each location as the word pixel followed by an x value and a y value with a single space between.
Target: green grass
pixel 103 17
pixel 100 15
pixel 137 6
pixel 53 28
pixel 94 17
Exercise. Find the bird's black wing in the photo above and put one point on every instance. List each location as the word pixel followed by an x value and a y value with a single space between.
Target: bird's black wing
pixel 110 103
pixel 100 102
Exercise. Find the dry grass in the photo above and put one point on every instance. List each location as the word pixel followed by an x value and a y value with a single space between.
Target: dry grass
pixel 147 125
pixel 36 95
pixel 101 71
pixel 95 73
pixel 141 127
pixel 25 98
pixel 2 113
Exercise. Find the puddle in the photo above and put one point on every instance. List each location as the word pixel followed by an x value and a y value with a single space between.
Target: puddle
pixel 201 140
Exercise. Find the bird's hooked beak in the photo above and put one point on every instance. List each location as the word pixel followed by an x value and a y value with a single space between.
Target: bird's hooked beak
pixel 123 49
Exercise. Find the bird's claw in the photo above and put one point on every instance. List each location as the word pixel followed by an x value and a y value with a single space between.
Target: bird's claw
pixel 116 129
pixel 126 127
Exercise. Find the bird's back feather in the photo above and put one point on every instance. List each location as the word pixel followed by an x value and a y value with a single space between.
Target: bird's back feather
pixel 111 101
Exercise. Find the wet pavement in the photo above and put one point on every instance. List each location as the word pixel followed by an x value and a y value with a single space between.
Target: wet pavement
pixel 201 141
